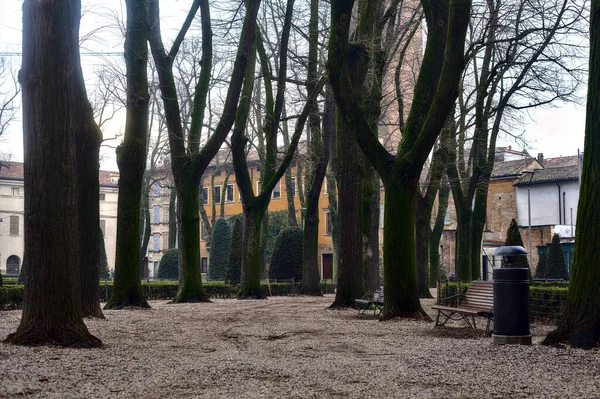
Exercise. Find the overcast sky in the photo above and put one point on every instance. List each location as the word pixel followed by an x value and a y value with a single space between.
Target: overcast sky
pixel 556 131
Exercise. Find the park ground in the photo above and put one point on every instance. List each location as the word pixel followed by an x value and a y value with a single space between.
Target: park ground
pixel 289 347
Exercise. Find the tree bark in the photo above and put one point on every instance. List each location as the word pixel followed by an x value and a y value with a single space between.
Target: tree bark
pixel 580 326
pixel 172 218
pixel 88 166
pixel 55 112
pixel 251 261
pixel 131 160
pixel 436 235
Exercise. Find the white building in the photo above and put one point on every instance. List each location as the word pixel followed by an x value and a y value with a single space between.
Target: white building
pixel 12 220
pixel 554 194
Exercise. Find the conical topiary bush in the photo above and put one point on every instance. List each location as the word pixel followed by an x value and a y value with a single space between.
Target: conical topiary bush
pixel 557 268
pixel 234 263
pixel 168 267
pixel 542 268
pixel 219 250
pixel 286 262
pixel 513 237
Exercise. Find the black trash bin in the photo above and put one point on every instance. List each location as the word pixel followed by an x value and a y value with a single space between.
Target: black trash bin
pixel 511 306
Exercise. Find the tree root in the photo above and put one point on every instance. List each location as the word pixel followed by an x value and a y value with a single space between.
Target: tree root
pixel 69 337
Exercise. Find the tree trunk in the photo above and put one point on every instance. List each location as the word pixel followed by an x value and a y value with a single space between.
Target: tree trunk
pixel 88 165
pixel 54 113
pixel 436 235
pixel 401 293
pixel 478 219
pixel 464 239
pixel 370 228
pixel 190 288
pixel 580 326
pixel 131 160
pixel 251 258
pixel 422 229
pixel 350 282
pixel 145 228
pixel 172 218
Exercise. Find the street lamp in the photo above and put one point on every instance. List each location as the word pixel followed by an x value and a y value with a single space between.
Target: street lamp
pixel 530 173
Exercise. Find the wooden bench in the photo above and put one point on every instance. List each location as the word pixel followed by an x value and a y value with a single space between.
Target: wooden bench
pixel 477 301
pixel 372 301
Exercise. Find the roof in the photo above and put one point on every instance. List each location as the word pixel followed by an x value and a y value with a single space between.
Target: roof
pixel 15 171
pixel 560 161
pixel 512 168
pixel 510 150
pixel 550 175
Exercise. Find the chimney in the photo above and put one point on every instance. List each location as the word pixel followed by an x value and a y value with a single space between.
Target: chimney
pixel 540 157
pixel 509 148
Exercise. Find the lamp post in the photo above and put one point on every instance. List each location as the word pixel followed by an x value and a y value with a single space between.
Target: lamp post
pixel 530 173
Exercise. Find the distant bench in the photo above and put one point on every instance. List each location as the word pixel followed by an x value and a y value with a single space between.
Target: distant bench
pixel 372 301
pixel 477 301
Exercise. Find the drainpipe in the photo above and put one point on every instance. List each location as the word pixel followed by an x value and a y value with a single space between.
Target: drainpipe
pixel 559 205
pixel 565 207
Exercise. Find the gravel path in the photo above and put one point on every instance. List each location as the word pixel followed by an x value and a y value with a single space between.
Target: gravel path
pixel 288 347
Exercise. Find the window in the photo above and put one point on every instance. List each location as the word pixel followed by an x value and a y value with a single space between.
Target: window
pixel 155 189
pixel 103 227
pixel 325 191
pixel 277 190
pixel 218 172
pixel 156 242
pixel 327 222
pixel 155 269
pixel 229 193
pixel 293 186
pixel 165 214
pixel 204 265
pixel 156 218
pixel 165 241
pixel 205 195
pixel 102 197
pixel 381 213
pixel 203 231
pixel 16 191
pixel 258 187
pixel 14 225
pixel 217 194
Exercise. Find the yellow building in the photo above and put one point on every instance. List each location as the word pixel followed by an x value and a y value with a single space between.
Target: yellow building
pixel 231 200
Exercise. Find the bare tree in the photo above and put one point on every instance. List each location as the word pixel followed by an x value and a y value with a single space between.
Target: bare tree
pixel 188 159
pixel 515 51
pixel 8 97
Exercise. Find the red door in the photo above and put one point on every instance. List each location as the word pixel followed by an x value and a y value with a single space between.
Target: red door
pixel 327 267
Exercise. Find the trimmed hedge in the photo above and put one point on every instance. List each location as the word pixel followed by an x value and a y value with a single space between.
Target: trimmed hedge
pixel 547 300
pixel 286 262
pixel 12 297
pixel 169 265
pixel 234 263
pixel 219 250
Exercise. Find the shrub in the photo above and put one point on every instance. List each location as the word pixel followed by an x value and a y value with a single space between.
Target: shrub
pixel 557 269
pixel 513 237
pixel 21 279
pixel 219 250
pixel 234 262
pixel 11 297
pixel 102 260
pixel 169 265
pixel 278 220
pixel 542 267
pixel 286 262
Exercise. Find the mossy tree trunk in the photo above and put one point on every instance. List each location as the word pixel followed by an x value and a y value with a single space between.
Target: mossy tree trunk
pixel 131 160
pixel 172 217
pixel 255 206
pixel 436 235
pixel 319 153
pixel 434 95
pixel 55 112
pixel 190 289
pixel 188 161
pixel 580 326
pixel 88 166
